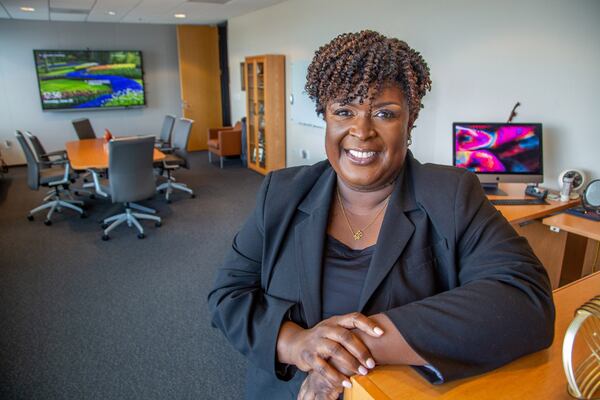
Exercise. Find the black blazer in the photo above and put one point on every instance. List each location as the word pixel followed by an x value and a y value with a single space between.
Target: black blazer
pixel 462 287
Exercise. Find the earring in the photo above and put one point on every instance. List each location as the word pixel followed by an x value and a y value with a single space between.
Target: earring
pixel 409 140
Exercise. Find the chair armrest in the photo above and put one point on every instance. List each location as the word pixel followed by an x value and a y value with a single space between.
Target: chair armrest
pixel 213 133
pixel 165 165
pixel 57 153
pixel 62 161
pixel 168 150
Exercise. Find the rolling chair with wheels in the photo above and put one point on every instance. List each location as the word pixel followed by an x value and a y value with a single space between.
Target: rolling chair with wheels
pixel 176 157
pixel 57 179
pixel 83 128
pixel 44 158
pixel 131 179
pixel 165 133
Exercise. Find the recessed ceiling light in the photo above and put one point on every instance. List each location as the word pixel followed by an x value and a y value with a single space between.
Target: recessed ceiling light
pixel 28 9
pixel 180 15
pixel 111 13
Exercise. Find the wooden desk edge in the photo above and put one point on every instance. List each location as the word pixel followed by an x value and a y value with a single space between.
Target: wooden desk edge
pixel 577 282
pixel 574 224
pixel 551 208
pixel 365 388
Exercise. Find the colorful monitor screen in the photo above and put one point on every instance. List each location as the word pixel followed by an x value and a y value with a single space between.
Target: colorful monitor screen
pixel 495 148
pixel 89 79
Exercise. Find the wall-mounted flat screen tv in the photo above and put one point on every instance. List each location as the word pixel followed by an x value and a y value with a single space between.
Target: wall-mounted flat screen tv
pixel 90 79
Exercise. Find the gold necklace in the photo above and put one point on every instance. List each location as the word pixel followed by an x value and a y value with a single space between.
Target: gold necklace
pixel 360 233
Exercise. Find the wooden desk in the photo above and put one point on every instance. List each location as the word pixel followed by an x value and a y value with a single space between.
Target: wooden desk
pixel 520 214
pixel 582 242
pixel 536 376
pixel 93 153
pixel 526 220
pixel 574 224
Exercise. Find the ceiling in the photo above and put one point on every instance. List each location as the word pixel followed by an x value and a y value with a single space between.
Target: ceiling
pixel 203 12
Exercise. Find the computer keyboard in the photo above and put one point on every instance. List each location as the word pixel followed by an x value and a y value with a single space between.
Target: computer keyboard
pixel 518 202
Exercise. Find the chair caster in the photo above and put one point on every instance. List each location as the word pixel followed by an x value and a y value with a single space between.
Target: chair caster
pixel 141 236
pixel 193 196
pixel 104 226
pixel 83 215
pixel 30 217
pixel 105 237
pixel 158 224
pixel 47 222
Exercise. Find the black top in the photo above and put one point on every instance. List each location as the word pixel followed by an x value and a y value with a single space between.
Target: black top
pixel 344 273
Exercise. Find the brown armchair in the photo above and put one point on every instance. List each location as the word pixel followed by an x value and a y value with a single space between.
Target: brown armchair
pixel 226 141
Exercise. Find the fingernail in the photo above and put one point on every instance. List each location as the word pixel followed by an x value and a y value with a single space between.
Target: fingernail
pixel 378 331
pixel 362 370
pixel 371 363
pixel 346 384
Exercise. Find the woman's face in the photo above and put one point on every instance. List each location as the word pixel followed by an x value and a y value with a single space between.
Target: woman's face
pixel 366 148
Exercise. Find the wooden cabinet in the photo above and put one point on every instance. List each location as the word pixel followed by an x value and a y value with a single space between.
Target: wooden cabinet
pixel 265 110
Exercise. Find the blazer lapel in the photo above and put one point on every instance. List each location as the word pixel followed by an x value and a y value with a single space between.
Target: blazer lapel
pixel 309 243
pixel 394 235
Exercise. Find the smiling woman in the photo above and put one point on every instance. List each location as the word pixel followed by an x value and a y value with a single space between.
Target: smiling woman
pixel 355 261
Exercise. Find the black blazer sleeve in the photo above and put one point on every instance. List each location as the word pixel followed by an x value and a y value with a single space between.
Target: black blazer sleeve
pixel 249 318
pixel 501 309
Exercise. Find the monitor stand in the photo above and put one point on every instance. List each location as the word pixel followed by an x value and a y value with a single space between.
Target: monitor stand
pixel 492 188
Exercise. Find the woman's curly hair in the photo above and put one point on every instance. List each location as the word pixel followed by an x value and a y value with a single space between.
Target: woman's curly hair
pixel 352 63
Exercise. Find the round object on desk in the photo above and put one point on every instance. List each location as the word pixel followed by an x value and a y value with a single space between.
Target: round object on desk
pixel 591 196
pixel 580 351
pixel 577 175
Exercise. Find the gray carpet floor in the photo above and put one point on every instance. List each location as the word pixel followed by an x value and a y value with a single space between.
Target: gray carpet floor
pixel 81 318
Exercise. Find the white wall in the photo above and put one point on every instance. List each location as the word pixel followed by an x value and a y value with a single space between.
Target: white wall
pixel 20 106
pixel 484 56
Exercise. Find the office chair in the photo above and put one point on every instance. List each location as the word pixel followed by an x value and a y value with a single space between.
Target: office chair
pixel 226 141
pixel 40 153
pixel 176 157
pixel 44 158
pixel 165 133
pixel 83 128
pixel 131 178
pixel 57 178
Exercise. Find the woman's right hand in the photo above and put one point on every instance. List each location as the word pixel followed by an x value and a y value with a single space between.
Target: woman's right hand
pixel 330 348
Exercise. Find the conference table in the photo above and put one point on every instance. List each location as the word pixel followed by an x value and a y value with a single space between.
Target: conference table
pixel 536 376
pixel 93 154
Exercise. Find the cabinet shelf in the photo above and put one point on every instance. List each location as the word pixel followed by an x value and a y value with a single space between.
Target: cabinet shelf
pixel 265 108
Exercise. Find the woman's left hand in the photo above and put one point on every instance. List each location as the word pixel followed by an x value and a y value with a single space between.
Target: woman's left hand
pixel 317 387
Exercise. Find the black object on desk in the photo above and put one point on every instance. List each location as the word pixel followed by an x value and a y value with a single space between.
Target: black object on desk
pixel 534 191
pixel 518 202
pixel 579 211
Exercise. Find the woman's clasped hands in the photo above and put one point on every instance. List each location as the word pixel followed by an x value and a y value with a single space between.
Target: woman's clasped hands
pixel 330 352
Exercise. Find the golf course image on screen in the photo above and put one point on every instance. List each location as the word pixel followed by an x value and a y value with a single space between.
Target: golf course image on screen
pixel 84 79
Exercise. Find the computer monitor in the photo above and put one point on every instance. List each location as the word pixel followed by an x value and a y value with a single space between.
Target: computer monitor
pixel 499 152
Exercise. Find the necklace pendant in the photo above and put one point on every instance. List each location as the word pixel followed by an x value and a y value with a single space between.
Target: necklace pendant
pixel 358 235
